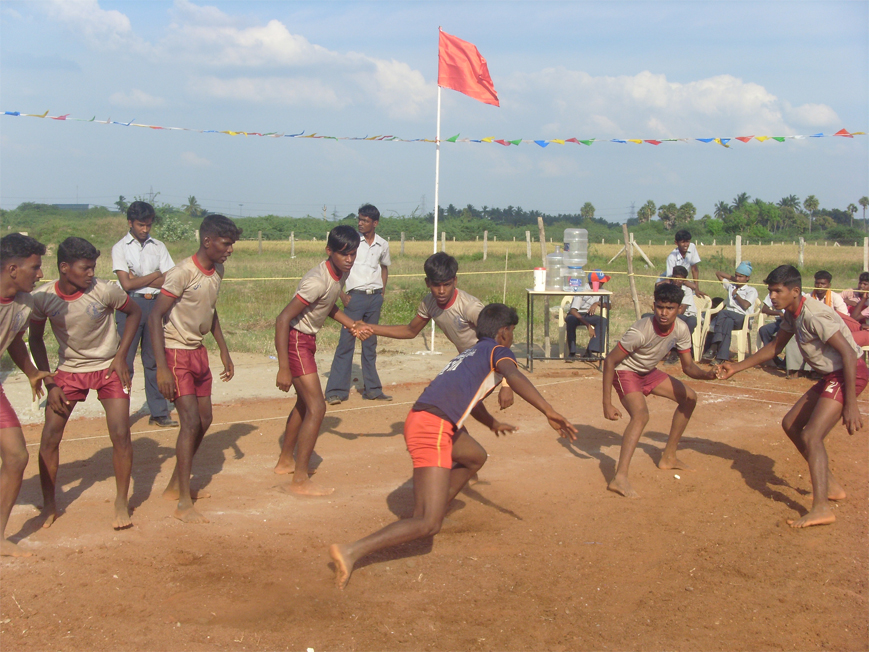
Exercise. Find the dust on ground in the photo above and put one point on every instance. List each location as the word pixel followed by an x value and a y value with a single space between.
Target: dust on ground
pixel 538 555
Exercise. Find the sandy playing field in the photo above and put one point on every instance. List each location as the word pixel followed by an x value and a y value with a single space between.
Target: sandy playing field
pixel 536 556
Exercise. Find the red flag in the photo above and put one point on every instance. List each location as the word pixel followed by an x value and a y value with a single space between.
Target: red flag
pixel 462 68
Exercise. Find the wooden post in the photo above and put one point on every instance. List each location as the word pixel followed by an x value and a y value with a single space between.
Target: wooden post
pixel 802 251
pixel 443 240
pixel 195 235
pixel 485 244
pixel 292 244
pixel 528 244
pixel 402 243
pixel 629 251
pixel 866 254
pixel 542 231
pixel 738 250
pixel 259 237
pixel 506 259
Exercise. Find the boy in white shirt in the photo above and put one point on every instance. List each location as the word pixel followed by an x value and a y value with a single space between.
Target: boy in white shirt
pixel 684 255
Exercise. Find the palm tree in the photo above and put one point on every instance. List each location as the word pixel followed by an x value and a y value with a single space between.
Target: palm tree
pixel 722 210
pixel 791 201
pixel 864 202
pixel 667 215
pixel 811 205
pixel 123 205
pixel 192 208
pixel 852 209
pixel 587 210
pixel 741 200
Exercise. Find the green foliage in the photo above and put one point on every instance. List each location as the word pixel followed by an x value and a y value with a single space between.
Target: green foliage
pixel 173 229
pixel 845 234
pixel 758 232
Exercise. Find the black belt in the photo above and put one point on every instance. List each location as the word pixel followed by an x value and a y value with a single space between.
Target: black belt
pixel 377 291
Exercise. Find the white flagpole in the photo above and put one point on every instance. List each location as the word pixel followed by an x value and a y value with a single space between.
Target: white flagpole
pixel 436 197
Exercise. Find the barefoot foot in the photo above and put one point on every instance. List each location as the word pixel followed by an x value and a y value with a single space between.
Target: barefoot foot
pixel 623 487
pixel 673 463
pixel 822 516
pixel 306 488
pixel 173 494
pixel 9 549
pixel 835 491
pixel 189 515
pixel 50 516
pixel 343 569
pixel 289 469
pixel 122 519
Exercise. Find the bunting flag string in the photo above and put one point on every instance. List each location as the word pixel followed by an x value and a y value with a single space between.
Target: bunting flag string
pixel 506 142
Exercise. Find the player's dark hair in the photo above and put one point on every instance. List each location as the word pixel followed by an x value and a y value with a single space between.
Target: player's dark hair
pixel 669 293
pixel 370 211
pixel 680 271
pixel 864 277
pixel 218 226
pixel 493 318
pixel 786 275
pixel 440 267
pixel 683 236
pixel 823 275
pixel 343 239
pixel 141 211
pixel 73 249
pixel 16 247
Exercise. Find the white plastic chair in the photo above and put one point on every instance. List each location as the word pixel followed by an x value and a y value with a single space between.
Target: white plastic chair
pixel 702 305
pixel 742 337
pixel 704 326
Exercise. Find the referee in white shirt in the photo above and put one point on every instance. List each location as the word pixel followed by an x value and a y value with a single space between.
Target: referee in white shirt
pixel 140 261
pixel 363 300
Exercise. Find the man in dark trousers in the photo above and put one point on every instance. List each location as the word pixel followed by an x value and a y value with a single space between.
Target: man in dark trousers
pixel 362 299
pixel 139 261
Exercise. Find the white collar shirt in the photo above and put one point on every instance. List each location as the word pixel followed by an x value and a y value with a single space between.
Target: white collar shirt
pixel 745 292
pixel 365 274
pixel 141 259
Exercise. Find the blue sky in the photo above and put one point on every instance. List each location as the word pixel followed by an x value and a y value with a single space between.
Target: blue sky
pixel 562 69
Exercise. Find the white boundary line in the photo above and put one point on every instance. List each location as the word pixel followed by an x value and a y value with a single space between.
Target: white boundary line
pixel 388 405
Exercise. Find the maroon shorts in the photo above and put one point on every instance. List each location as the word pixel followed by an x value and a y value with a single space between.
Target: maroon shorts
pixel 833 384
pixel 191 371
pixel 627 381
pixel 76 385
pixel 301 351
pixel 8 418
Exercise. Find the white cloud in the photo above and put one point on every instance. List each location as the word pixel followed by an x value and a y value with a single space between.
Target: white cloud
pixel 647 105
pixel 136 98
pixel 194 160
pixel 100 28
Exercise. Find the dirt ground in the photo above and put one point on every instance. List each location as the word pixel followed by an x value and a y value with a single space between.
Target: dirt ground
pixel 536 556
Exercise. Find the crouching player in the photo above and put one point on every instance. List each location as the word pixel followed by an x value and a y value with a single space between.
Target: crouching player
pixel 20 268
pixel 444 454
pixel 81 309
pixel 827 345
pixel 631 368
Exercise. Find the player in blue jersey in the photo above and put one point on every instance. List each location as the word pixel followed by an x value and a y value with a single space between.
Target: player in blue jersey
pixel 444 455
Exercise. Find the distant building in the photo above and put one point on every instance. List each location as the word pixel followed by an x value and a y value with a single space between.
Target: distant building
pixel 72 207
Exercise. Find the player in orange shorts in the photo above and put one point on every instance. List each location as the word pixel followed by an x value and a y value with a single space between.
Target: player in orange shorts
pixel 20 268
pixel 81 309
pixel 183 313
pixel 444 454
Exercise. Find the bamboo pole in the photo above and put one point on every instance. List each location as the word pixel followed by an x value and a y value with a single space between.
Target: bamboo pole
pixel 629 252
pixel 546 297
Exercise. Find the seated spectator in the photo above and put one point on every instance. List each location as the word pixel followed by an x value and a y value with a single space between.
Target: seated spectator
pixel 584 310
pixel 768 332
pixel 823 293
pixel 857 299
pixel 740 300
pixel 684 255
pixel 688 310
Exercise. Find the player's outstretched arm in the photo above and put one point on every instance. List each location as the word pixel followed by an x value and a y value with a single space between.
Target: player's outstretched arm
pixel 18 352
pixel 613 359
pixel 851 414
pixel 228 367
pixel 522 386
pixel 131 325
pixel 481 414
pixel 406 332
pixel 692 370
pixel 165 380
pixel 282 342
pixel 767 353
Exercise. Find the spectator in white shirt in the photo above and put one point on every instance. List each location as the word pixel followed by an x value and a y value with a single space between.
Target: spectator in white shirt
pixel 362 300
pixel 139 261
pixel 684 255
pixel 740 300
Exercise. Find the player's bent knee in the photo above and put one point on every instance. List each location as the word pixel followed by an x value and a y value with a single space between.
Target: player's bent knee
pixel 16 461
